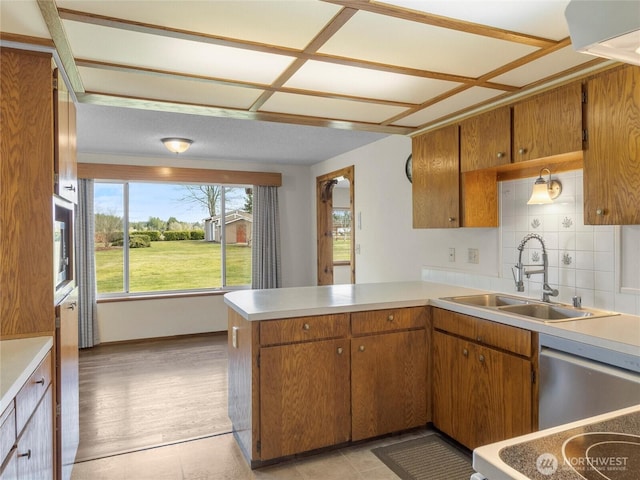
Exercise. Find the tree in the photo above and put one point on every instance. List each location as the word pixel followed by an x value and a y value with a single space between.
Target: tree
pixel 106 225
pixel 248 201
pixel 155 223
pixel 207 196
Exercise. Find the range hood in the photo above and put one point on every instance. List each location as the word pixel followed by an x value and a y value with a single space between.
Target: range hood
pixel 606 28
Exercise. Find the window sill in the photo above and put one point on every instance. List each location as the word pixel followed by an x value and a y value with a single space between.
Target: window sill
pixel 160 296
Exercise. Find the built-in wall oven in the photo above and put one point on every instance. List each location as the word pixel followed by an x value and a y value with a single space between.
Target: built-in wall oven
pixel 579 381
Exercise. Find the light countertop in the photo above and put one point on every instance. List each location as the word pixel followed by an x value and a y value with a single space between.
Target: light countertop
pixel 510 459
pixel 620 333
pixel 18 360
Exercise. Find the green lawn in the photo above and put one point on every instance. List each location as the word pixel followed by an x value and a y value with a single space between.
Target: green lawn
pixel 341 250
pixel 179 265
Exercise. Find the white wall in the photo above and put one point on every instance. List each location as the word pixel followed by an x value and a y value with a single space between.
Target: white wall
pixel 155 318
pixel 390 248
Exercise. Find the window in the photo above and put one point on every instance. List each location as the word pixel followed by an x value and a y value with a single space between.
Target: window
pixel 341 235
pixel 180 237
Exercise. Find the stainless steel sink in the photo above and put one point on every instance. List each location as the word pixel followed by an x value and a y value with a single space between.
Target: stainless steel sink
pixel 529 308
pixel 489 300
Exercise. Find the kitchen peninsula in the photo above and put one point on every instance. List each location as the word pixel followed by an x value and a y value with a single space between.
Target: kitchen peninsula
pixel 319 358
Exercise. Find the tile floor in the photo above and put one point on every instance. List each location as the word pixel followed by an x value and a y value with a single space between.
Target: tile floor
pixel 219 458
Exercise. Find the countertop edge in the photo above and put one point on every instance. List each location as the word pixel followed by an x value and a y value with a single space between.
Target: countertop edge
pixel 15 370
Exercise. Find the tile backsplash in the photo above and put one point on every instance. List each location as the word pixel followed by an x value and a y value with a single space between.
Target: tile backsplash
pixel 582 258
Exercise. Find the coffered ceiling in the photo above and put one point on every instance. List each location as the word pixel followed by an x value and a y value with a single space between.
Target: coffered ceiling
pixel 379 68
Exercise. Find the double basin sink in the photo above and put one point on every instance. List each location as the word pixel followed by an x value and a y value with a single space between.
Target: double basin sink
pixel 529 308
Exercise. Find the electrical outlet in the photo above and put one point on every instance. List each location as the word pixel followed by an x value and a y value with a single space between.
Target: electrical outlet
pixel 473 255
pixel 452 254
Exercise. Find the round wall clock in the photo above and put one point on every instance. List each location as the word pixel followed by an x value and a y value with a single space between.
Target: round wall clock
pixel 408 168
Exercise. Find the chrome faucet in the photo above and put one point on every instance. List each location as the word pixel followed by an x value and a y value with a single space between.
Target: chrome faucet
pixel 519 270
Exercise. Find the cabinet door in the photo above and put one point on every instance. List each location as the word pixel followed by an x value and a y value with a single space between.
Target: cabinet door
pixel 67 384
pixel 65 162
pixel 436 181
pixel 305 400
pixel 35 447
pixel 548 124
pixel 388 383
pixel 480 395
pixel 612 157
pixel 485 140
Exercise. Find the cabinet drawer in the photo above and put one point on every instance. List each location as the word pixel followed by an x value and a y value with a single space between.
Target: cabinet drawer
pixel 7 432
pixel 300 329
pixel 376 321
pixel 32 391
pixel 486 332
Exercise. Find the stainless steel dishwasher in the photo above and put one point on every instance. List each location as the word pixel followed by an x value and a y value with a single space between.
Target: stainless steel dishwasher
pixel 579 380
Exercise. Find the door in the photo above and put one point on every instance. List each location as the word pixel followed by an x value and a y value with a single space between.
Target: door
pixel 67 434
pixel 388 383
pixel 305 400
pixel 325 186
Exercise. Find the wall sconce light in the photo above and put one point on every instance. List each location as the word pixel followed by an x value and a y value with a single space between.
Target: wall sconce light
pixel 177 145
pixel 545 191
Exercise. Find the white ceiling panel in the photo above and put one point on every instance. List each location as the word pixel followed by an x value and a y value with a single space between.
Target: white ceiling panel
pixel 169 89
pixel 291 23
pixel 22 17
pixel 451 105
pixel 394 41
pixel 544 67
pixel 329 108
pixel 362 82
pixel 113 45
pixel 541 18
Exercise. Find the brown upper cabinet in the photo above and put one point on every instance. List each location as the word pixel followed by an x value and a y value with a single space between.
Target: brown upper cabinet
pixel 611 159
pixel 436 179
pixel 485 140
pixel 65 162
pixel 548 124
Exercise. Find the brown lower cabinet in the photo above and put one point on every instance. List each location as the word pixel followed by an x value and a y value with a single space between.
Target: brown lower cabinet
pixel 304 383
pixel 483 392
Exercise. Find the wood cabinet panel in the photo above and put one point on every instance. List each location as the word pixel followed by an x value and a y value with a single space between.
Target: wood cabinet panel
pixel 548 124
pixel 300 329
pixel 7 431
pixel 32 391
pixel 26 176
pixel 436 180
pixel 479 198
pixel 305 400
pixel 35 446
pixel 485 140
pixel 377 321
pixel 65 162
pixel 505 337
pixel 612 157
pixel 67 385
pixel 480 395
pixel 388 383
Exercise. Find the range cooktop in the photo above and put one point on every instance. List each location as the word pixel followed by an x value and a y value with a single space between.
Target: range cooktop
pixel 606 450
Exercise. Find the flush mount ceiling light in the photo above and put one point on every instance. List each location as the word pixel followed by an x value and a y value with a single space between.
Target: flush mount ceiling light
pixel 545 191
pixel 177 145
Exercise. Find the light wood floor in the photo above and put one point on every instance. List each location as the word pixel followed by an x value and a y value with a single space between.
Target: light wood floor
pixel 139 395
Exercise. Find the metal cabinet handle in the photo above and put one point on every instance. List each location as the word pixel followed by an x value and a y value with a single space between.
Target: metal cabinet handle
pixel 361 348
pixel 452 219
pixel 390 318
pixel 479 339
pixel 500 154
pixel 71 188
pixel 600 211
pixel 481 358
pixel 340 350
pixel 522 151
pixel 28 454
pixel 306 326
pixel 39 382
pixel 465 352
pixel 72 306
